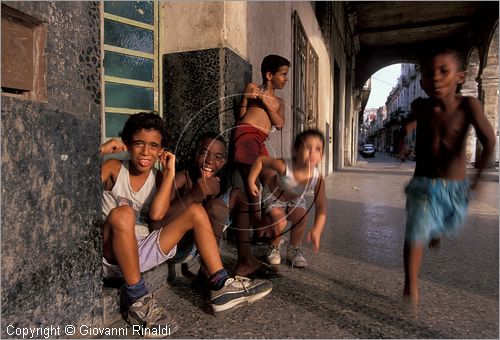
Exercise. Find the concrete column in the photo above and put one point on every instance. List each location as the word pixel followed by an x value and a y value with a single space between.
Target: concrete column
pixel 489 88
pixel 202 90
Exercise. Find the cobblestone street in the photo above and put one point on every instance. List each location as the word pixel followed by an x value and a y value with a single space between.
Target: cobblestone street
pixel 353 286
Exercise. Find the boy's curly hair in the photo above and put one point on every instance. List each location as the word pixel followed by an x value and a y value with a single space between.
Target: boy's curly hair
pixel 272 63
pixel 211 135
pixel 146 121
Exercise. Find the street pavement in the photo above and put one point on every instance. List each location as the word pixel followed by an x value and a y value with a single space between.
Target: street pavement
pixel 352 287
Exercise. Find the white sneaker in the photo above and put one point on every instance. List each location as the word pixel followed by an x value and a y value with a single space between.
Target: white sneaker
pixel 274 256
pixel 295 258
pixel 237 291
pixel 155 321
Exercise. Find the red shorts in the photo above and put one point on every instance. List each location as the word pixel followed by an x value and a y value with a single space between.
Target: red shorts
pixel 248 143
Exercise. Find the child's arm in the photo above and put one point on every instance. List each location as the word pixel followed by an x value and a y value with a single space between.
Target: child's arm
pixel 161 201
pixel 251 91
pixel 111 167
pixel 112 146
pixel 261 162
pixel 484 132
pixel 198 192
pixel 180 181
pixel 314 235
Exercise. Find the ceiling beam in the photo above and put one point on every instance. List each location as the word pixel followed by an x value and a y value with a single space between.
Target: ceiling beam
pixel 413 25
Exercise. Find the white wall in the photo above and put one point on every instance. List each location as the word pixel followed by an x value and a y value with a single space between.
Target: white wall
pixel 190 26
pixel 253 30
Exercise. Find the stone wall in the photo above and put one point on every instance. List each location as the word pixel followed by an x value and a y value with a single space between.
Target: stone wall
pixel 51 238
pixel 201 91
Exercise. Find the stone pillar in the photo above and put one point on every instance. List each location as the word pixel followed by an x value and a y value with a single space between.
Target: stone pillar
pixel 489 90
pixel 51 186
pixel 470 88
pixel 202 90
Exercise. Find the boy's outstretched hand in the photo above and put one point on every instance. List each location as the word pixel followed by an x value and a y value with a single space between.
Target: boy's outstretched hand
pixel 113 146
pixel 314 237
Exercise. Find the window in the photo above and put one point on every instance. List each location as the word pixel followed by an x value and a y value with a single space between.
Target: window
pixel 305 80
pixel 131 62
pixel 24 64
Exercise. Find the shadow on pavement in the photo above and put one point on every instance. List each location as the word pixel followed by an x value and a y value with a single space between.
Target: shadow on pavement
pixel 361 312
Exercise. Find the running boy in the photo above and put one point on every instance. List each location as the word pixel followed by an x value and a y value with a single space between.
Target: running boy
pixel 284 200
pixel 438 194
pixel 260 110
pixel 135 193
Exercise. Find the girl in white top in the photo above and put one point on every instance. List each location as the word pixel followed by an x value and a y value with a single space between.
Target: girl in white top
pixel 283 197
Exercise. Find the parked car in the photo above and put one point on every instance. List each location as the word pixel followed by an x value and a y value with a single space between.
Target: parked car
pixel 368 150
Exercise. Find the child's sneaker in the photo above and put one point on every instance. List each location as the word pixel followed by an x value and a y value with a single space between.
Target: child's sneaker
pixel 158 322
pixel 295 258
pixel 274 256
pixel 238 291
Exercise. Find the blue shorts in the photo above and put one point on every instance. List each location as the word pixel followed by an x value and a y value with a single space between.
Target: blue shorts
pixel 435 207
pixel 270 202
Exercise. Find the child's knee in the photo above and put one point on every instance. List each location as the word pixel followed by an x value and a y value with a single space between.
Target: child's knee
pixel 280 223
pixel 196 211
pixel 121 217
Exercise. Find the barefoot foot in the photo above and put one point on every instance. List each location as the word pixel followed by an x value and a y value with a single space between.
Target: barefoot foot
pixel 247 267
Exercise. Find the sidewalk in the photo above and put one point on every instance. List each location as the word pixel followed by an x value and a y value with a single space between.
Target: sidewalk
pixel 353 286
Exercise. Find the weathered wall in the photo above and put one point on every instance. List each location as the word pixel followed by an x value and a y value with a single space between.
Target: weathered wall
pixel 339 48
pixel 250 30
pixel 269 31
pixel 51 240
pixel 201 90
pixel 200 28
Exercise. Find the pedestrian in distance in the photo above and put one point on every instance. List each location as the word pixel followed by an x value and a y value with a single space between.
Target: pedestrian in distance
pixel 283 197
pixel 137 194
pixel 439 192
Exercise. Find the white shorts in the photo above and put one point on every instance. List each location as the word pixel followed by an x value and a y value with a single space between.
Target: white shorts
pixel 150 255
pixel 270 202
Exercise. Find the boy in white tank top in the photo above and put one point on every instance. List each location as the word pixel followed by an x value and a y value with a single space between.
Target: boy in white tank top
pixel 135 196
